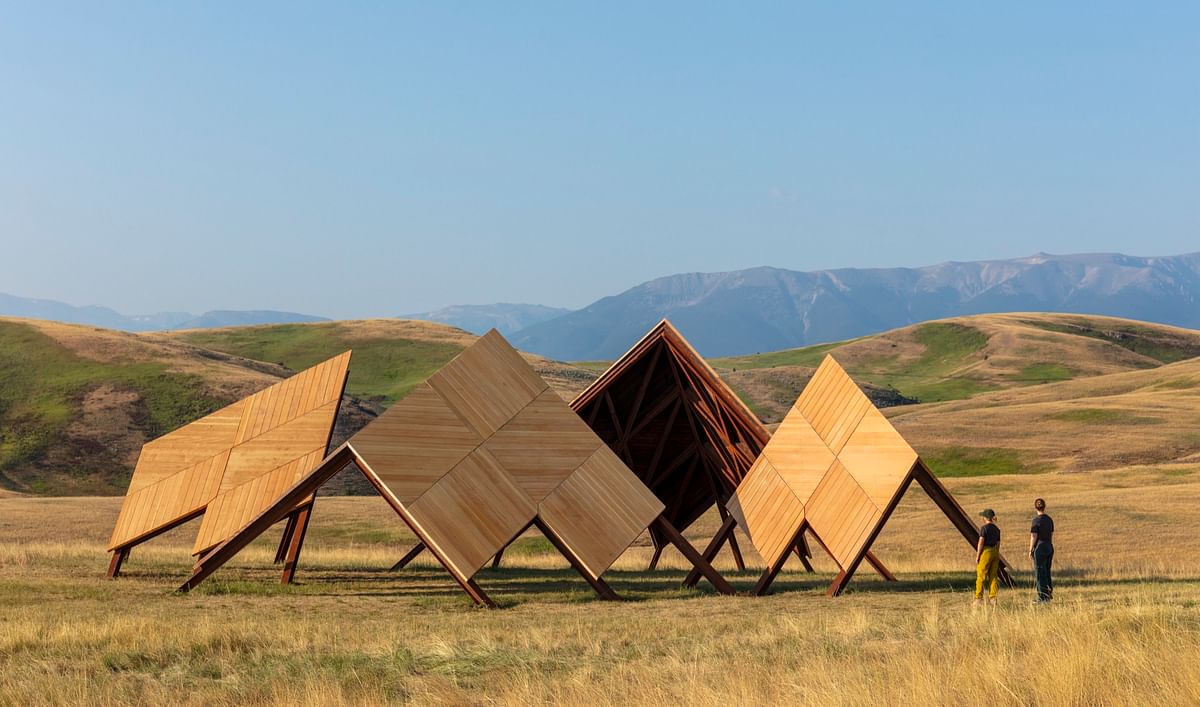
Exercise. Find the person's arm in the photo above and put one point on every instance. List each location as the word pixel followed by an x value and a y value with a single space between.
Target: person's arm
pixel 979 549
pixel 1032 542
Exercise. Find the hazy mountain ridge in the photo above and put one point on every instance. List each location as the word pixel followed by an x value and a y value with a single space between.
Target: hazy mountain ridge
pixel 93 315
pixel 765 308
pixel 479 318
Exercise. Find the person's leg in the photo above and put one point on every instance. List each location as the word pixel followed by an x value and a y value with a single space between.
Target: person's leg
pixel 1050 574
pixel 1041 565
pixel 994 575
pixel 980 576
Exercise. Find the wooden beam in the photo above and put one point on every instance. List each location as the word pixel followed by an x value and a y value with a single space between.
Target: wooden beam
pixel 710 552
pixel 654 558
pixel 847 573
pixel 952 510
pixel 768 576
pixel 118 558
pixel 699 563
pixel 408 557
pixel 884 571
pixel 296 541
pixel 496 559
pixel 733 544
pixel 285 540
pixel 597 583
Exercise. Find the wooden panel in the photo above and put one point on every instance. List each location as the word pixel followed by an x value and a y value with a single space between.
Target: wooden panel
pixel 473 512
pixel 186 447
pixel 230 448
pixel 274 448
pixel 416 442
pixel 599 510
pixel 841 514
pixel 544 444
pixel 799 454
pixel 835 406
pixel 767 510
pixel 878 458
pixel 487 384
pixel 153 507
pixel 233 509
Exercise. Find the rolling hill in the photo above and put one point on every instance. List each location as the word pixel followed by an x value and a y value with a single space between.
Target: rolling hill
pixel 976 395
pixel 767 309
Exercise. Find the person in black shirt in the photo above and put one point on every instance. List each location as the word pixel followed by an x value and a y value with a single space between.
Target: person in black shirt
pixel 987 558
pixel 1041 549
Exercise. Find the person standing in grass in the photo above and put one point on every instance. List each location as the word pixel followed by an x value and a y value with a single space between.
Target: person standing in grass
pixel 1041 550
pixel 987 558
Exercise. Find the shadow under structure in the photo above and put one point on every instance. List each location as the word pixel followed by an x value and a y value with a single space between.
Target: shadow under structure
pixel 837 468
pixel 475 456
pixel 230 465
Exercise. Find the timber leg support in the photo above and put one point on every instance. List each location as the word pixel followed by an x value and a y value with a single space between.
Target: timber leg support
pixel 285 541
pixel 654 559
pixel 883 571
pixel 497 558
pixel 698 562
pixel 409 557
pixel 597 583
pixel 768 576
pixel 710 552
pixel 118 558
pixel 296 542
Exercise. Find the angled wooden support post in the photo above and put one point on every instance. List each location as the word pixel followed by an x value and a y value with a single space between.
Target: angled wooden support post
pixel 285 541
pixel 698 562
pixel 802 551
pixel 654 558
pixel 733 543
pixel 118 558
pixel 883 571
pixel 710 552
pixel 409 557
pixel 597 583
pixel 296 541
pixel 768 576
pixel 499 556
pixel 948 505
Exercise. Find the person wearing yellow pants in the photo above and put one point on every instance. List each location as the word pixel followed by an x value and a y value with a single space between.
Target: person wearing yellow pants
pixel 987 558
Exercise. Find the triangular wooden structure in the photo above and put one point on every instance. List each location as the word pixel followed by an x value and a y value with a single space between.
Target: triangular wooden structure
pixel 232 464
pixel 476 455
pixel 837 467
pixel 677 425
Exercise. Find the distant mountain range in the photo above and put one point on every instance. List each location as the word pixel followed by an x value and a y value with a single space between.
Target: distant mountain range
pixel 12 306
pixel 766 309
pixel 479 318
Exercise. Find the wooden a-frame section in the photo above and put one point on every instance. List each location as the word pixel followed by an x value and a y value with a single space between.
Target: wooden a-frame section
pixel 231 464
pixel 474 457
pixel 668 415
pixel 837 468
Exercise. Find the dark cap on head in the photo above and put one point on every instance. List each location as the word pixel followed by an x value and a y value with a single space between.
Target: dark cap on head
pixel 988 513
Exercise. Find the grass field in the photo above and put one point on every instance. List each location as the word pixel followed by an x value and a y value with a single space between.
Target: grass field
pixel 1125 627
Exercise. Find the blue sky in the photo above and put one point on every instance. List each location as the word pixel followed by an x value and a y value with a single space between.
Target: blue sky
pixel 373 159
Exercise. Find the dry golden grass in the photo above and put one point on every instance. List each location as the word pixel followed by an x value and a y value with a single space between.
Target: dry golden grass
pixel 1146 416
pixel 1125 627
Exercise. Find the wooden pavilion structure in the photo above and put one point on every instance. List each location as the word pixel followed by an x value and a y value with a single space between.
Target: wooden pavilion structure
pixel 475 456
pixel 230 465
pixel 835 467
pixel 677 425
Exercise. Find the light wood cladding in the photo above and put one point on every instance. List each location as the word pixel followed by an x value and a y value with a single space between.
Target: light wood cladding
pixel 847 465
pixel 484 448
pixel 841 514
pixel 543 444
pixel 488 383
pixel 415 442
pixel 878 457
pixel 472 512
pixel 238 451
pixel 767 510
pixel 600 510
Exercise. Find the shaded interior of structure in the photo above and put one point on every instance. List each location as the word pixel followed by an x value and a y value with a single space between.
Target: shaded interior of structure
pixel 676 425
